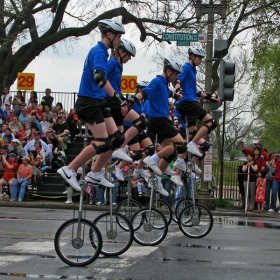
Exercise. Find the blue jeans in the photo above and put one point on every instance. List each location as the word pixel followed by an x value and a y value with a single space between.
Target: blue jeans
pixel 23 186
pixel 100 195
pixel 275 189
pixel 115 192
pixel 267 192
pixel 167 185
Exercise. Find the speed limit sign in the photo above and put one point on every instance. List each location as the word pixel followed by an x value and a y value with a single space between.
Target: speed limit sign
pixel 128 84
pixel 25 81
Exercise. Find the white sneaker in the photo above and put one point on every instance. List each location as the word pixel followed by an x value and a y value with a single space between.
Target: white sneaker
pixel 114 204
pixel 98 179
pixel 80 134
pixel 65 192
pixel 141 173
pixel 68 202
pixel 194 150
pixel 177 180
pixel 197 170
pixel 70 176
pixel 153 165
pixel 271 210
pixel 119 174
pixel 180 165
pixel 169 171
pixel 120 153
pixel 161 190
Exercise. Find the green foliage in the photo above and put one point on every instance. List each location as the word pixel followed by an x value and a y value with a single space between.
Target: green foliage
pixel 266 84
pixel 222 203
pixel 235 153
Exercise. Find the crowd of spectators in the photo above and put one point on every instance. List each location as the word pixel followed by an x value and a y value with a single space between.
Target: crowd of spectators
pixel 33 133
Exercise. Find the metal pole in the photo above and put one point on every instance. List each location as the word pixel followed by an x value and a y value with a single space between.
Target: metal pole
pixel 222 154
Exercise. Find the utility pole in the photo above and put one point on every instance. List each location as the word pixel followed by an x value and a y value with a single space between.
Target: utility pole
pixel 209 9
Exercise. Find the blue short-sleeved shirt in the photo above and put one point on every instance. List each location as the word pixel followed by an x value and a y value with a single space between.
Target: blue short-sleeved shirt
pixel 96 59
pixel 114 74
pixel 188 83
pixel 157 94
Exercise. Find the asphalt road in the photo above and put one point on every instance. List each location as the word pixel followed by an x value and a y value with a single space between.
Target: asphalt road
pixel 236 248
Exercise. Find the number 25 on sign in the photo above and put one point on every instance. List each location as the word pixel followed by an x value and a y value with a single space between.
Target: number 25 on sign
pixel 25 81
pixel 128 84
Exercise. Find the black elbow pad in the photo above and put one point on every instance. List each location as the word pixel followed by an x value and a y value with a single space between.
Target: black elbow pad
pixel 99 78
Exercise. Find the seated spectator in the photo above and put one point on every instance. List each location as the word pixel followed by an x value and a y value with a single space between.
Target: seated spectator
pixel 21 132
pixel 35 110
pixel 72 121
pixel 7 111
pixel 61 131
pixel 48 112
pixel 10 167
pixel 54 118
pixel 47 99
pixel 8 136
pixel 33 96
pixel 17 147
pixel 36 164
pixel 24 117
pixel 36 124
pixel 17 101
pixel 44 124
pixel 27 134
pixel 24 175
pixel 6 97
pixel 41 154
pixel 14 126
pixel 59 108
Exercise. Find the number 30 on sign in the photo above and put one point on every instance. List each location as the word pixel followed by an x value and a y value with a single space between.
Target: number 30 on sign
pixel 128 84
pixel 25 81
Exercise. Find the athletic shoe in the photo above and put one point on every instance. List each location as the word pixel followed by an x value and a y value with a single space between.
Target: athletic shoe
pixel 70 176
pixel 119 174
pixel 80 134
pixel 12 200
pixel 114 204
pixel 98 203
pixel 98 179
pixel 177 180
pixel 65 192
pixel 169 171
pixel 159 188
pixel 153 165
pixel 139 194
pixel 180 165
pixel 120 153
pixel 194 150
pixel 271 210
pixel 20 200
pixel 141 173
pixel 194 167
pixel 68 202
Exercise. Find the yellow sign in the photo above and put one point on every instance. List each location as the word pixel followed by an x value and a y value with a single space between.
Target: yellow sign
pixel 25 81
pixel 128 84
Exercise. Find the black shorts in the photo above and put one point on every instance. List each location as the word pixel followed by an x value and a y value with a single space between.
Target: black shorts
pixel 162 127
pixel 192 111
pixel 115 112
pixel 90 110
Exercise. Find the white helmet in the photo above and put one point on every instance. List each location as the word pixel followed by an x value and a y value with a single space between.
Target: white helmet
pixel 172 64
pixel 111 25
pixel 128 47
pixel 142 84
pixel 197 51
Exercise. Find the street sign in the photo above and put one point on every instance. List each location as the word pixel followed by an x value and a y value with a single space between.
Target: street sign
pixel 25 81
pixel 180 36
pixel 183 43
pixel 128 84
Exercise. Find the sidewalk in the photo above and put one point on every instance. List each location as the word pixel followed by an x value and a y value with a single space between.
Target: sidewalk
pixel 54 204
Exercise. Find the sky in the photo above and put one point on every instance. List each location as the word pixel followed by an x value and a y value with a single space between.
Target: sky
pixel 62 73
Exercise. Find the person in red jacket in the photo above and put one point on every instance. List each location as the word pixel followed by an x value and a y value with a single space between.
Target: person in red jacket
pixel 246 151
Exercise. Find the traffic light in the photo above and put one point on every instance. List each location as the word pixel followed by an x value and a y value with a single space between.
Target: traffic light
pixel 220 48
pixel 227 80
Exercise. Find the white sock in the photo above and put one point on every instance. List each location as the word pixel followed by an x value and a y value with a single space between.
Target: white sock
pixel 192 143
pixel 155 157
pixel 158 178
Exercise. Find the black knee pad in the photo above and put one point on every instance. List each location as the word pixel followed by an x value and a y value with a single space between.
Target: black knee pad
pixel 136 155
pixel 119 139
pixel 172 156
pixel 205 146
pixel 103 148
pixel 150 150
pixel 182 147
pixel 142 125
pixel 203 156
pixel 106 113
pixel 210 127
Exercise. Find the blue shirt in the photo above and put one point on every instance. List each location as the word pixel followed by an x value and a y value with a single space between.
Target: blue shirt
pixel 157 94
pixel 179 116
pixel 114 74
pixel 137 107
pixel 96 59
pixel 188 83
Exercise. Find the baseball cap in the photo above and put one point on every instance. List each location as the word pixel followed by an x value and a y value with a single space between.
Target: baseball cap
pixel 16 141
pixel 12 155
pixel 61 116
pixel 24 108
pixel 8 103
pixel 258 144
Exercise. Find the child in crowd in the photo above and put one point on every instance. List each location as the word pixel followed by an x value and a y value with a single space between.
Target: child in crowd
pixel 27 133
pixel 21 132
pixel 45 124
pixel 260 193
